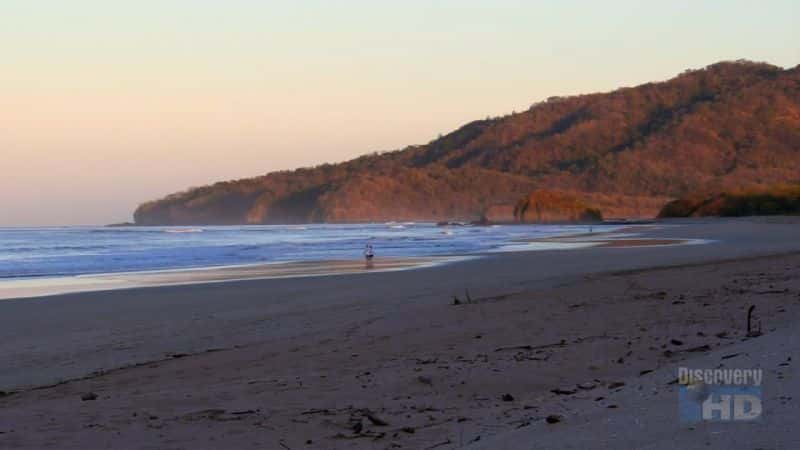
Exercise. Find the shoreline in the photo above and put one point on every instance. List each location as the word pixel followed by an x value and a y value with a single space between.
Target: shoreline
pixel 30 287
pixel 61 284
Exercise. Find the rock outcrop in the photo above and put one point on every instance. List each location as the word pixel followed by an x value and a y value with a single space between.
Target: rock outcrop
pixel 758 201
pixel 555 207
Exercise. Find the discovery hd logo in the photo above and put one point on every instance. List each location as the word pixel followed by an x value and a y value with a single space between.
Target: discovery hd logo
pixel 719 395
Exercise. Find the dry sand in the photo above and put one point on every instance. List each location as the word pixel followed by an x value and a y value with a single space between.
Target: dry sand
pixel 385 360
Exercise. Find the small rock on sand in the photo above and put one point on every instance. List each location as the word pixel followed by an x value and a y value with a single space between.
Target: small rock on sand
pixel 89 396
pixel 554 418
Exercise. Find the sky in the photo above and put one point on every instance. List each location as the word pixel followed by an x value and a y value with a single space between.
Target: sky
pixel 106 104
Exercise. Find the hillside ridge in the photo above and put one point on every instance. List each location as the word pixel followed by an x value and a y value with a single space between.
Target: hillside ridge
pixel 628 151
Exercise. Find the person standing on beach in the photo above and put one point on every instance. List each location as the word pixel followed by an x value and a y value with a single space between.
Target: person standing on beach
pixel 369 253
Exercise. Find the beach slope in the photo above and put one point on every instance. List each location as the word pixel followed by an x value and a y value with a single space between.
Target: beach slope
pixel 381 360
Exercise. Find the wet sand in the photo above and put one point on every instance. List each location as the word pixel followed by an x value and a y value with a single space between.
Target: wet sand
pixel 382 360
pixel 627 237
pixel 37 287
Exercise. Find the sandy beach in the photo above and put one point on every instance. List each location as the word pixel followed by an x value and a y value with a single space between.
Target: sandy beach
pixel 380 360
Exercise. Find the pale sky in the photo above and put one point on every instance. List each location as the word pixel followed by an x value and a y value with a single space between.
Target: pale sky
pixel 105 104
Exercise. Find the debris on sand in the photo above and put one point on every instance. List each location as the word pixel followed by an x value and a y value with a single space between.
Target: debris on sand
pixel 699 348
pixel 88 396
pixel 563 391
pixel 217 414
pixel 561 343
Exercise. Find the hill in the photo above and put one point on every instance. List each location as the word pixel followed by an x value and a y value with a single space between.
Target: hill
pixel 627 152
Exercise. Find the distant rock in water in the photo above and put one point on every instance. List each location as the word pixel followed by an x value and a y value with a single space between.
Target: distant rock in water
pixel 627 152
pixel 555 207
pixel 121 224
pixel 759 201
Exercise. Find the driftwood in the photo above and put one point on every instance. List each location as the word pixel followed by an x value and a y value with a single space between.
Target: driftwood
pixel 377 421
pixel 562 343
pixel 699 348
pixel 440 444
pixel 468 300
pixel 752 331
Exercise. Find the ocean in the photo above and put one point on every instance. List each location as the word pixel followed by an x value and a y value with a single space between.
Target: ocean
pixel 67 251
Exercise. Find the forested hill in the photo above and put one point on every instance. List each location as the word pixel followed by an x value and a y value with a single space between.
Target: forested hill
pixel 629 151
